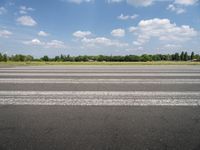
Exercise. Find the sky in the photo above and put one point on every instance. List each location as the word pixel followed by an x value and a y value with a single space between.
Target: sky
pixel 93 27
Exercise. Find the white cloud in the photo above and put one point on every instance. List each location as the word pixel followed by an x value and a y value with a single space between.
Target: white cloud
pixel 51 44
pixel 134 2
pixel 42 33
pixel 55 44
pixel 176 9
pixel 169 47
pixel 122 17
pixel 179 6
pixel 132 29
pixel 172 46
pixel 145 3
pixel 118 32
pixel 34 42
pixel 162 29
pixel 5 33
pixel 115 1
pixel 102 41
pixel 126 17
pixel 25 10
pixel 77 1
pixel 88 41
pixel 2 10
pixel 133 16
pixel 140 2
pixel 26 21
pixel 82 34
pixel 186 2
pixel 22 12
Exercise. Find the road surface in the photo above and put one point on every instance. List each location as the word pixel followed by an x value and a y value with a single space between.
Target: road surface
pixel 100 108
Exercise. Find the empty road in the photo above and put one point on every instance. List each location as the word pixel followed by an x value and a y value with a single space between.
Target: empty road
pixel 100 108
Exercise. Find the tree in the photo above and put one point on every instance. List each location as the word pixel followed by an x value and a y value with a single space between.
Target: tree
pixel 1 57
pixel 131 58
pixel 156 58
pixel 145 58
pixel 100 58
pixel 115 58
pixel 62 57
pixel 5 58
pixel 166 57
pixel 192 56
pixel 182 56
pixel 29 58
pixel 185 56
pixel 177 57
pixel 128 58
pixel 45 58
pixel 68 58
pixel 57 58
pixel 22 58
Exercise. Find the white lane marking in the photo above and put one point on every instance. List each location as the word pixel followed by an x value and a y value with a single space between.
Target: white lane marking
pixel 95 71
pixel 127 81
pixel 100 74
pixel 144 93
pixel 98 98
pixel 100 102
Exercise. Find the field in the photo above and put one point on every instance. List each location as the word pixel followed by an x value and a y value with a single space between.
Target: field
pixel 38 63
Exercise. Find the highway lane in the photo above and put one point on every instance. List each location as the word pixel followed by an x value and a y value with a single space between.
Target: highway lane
pixel 99 128
pixel 97 87
pixel 100 107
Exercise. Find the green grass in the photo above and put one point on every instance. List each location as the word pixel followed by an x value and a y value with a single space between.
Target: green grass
pixel 37 63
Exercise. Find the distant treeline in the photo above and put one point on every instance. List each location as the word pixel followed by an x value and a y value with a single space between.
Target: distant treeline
pixel 183 56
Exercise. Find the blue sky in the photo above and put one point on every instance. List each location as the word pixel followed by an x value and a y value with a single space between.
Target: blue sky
pixel 92 27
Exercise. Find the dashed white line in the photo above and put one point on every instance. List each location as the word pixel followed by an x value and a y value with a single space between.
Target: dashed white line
pixel 99 98
pixel 100 74
pixel 104 81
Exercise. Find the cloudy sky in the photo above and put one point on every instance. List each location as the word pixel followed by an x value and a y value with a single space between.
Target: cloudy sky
pixel 92 27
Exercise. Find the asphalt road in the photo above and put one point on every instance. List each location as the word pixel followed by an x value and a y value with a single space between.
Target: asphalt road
pixel 100 108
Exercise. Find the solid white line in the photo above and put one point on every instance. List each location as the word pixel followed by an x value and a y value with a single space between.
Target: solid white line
pixel 101 102
pixel 95 70
pixel 99 74
pixel 100 98
pixel 143 93
pixel 127 81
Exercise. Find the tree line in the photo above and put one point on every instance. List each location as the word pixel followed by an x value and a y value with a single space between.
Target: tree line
pixel 183 56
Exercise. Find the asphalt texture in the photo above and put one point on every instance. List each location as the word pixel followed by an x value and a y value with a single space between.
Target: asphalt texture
pixel 100 108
